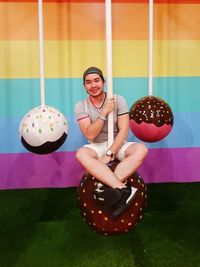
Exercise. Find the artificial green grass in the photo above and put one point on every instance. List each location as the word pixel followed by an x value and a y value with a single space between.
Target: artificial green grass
pixel 43 228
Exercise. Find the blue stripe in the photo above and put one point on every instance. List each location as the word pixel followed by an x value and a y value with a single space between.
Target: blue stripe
pixel 17 96
pixel 181 93
pixel 185 133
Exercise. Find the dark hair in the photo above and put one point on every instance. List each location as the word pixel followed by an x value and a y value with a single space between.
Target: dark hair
pixel 93 70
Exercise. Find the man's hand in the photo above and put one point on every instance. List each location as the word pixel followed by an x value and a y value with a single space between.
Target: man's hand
pixel 105 159
pixel 109 105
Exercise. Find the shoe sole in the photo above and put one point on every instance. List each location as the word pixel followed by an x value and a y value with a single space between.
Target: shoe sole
pixel 131 196
pixel 120 210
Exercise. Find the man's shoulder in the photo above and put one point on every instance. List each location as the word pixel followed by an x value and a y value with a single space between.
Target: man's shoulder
pixel 116 95
pixel 120 98
pixel 80 102
pixel 80 105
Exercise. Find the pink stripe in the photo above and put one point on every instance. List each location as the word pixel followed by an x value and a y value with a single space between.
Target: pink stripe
pixel 61 169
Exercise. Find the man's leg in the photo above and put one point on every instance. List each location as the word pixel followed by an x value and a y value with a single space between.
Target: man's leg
pixel 117 194
pixel 134 156
pixel 89 159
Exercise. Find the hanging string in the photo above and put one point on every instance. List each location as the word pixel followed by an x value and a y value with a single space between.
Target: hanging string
pixel 108 14
pixel 150 47
pixel 41 49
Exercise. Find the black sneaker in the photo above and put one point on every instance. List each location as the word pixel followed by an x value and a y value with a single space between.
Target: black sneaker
pixel 107 195
pixel 127 195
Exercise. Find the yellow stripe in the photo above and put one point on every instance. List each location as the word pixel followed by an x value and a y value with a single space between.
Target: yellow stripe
pixel 177 58
pixel 20 59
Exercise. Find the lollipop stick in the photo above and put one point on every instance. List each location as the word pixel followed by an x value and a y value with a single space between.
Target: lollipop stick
pixel 41 49
pixel 109 67
pixel 150 47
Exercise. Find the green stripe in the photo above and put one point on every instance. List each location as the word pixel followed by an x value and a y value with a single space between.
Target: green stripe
pixel 17 96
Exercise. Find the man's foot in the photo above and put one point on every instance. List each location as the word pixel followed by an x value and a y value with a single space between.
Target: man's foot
pixel 107 195
pixel 127 196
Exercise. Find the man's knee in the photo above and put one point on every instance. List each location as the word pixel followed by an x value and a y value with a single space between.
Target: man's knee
pixel 143 149
pixel 138 148
pixel 84 154
pixel 80 153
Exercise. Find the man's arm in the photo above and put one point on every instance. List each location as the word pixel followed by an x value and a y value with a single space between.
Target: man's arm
pixel 92 129
pixel 89 129
pixel 123 126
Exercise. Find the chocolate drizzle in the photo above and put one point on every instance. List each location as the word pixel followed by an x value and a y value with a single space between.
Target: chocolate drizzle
pixel 151 109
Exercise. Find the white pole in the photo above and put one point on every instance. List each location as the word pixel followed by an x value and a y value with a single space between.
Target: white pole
pixel 150 47
pixel 108 14
pixel 41 49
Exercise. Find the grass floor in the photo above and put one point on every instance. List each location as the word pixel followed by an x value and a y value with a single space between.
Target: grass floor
pixel 43 228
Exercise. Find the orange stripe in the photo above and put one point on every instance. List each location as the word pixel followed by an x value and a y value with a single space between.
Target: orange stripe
pixel 64 21
pixel 177 22
pixel 103 1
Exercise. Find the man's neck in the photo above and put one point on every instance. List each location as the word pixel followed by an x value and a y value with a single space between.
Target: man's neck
pixel 98 101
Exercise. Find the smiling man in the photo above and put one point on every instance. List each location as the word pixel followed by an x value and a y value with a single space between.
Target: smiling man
pixel 91 114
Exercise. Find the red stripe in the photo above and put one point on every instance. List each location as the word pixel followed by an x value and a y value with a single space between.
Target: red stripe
pixel 83 118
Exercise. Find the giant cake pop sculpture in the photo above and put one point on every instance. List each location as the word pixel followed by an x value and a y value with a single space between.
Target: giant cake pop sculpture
pixel 97 216
pixel 43 129
pixel 151 118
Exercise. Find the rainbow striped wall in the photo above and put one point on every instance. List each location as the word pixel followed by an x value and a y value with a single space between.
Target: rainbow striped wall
pixel 74 34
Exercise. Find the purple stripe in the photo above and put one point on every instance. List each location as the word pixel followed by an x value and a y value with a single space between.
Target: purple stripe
pixel 60 169
pixel 28 170
pixel 171 165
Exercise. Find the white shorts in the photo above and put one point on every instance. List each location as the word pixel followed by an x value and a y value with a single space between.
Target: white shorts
pixel 101 148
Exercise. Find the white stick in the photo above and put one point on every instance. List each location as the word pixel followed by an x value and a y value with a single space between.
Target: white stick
pixel 150 47
pixel 109 68
pixel 41 48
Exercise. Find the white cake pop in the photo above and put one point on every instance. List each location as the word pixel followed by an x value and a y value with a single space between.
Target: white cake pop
pixel 42 129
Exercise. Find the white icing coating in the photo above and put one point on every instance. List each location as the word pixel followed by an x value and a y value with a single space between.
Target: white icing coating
pixel 42 124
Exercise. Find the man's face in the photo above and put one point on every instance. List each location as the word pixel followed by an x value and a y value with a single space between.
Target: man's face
pixel 94 84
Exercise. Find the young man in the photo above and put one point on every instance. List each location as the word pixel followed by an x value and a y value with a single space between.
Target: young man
pixel 91 115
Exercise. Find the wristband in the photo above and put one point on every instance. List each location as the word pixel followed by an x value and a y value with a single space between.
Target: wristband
pixel 102 118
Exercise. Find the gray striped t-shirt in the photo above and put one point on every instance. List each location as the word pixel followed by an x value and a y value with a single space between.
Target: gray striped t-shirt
pixel 85 108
